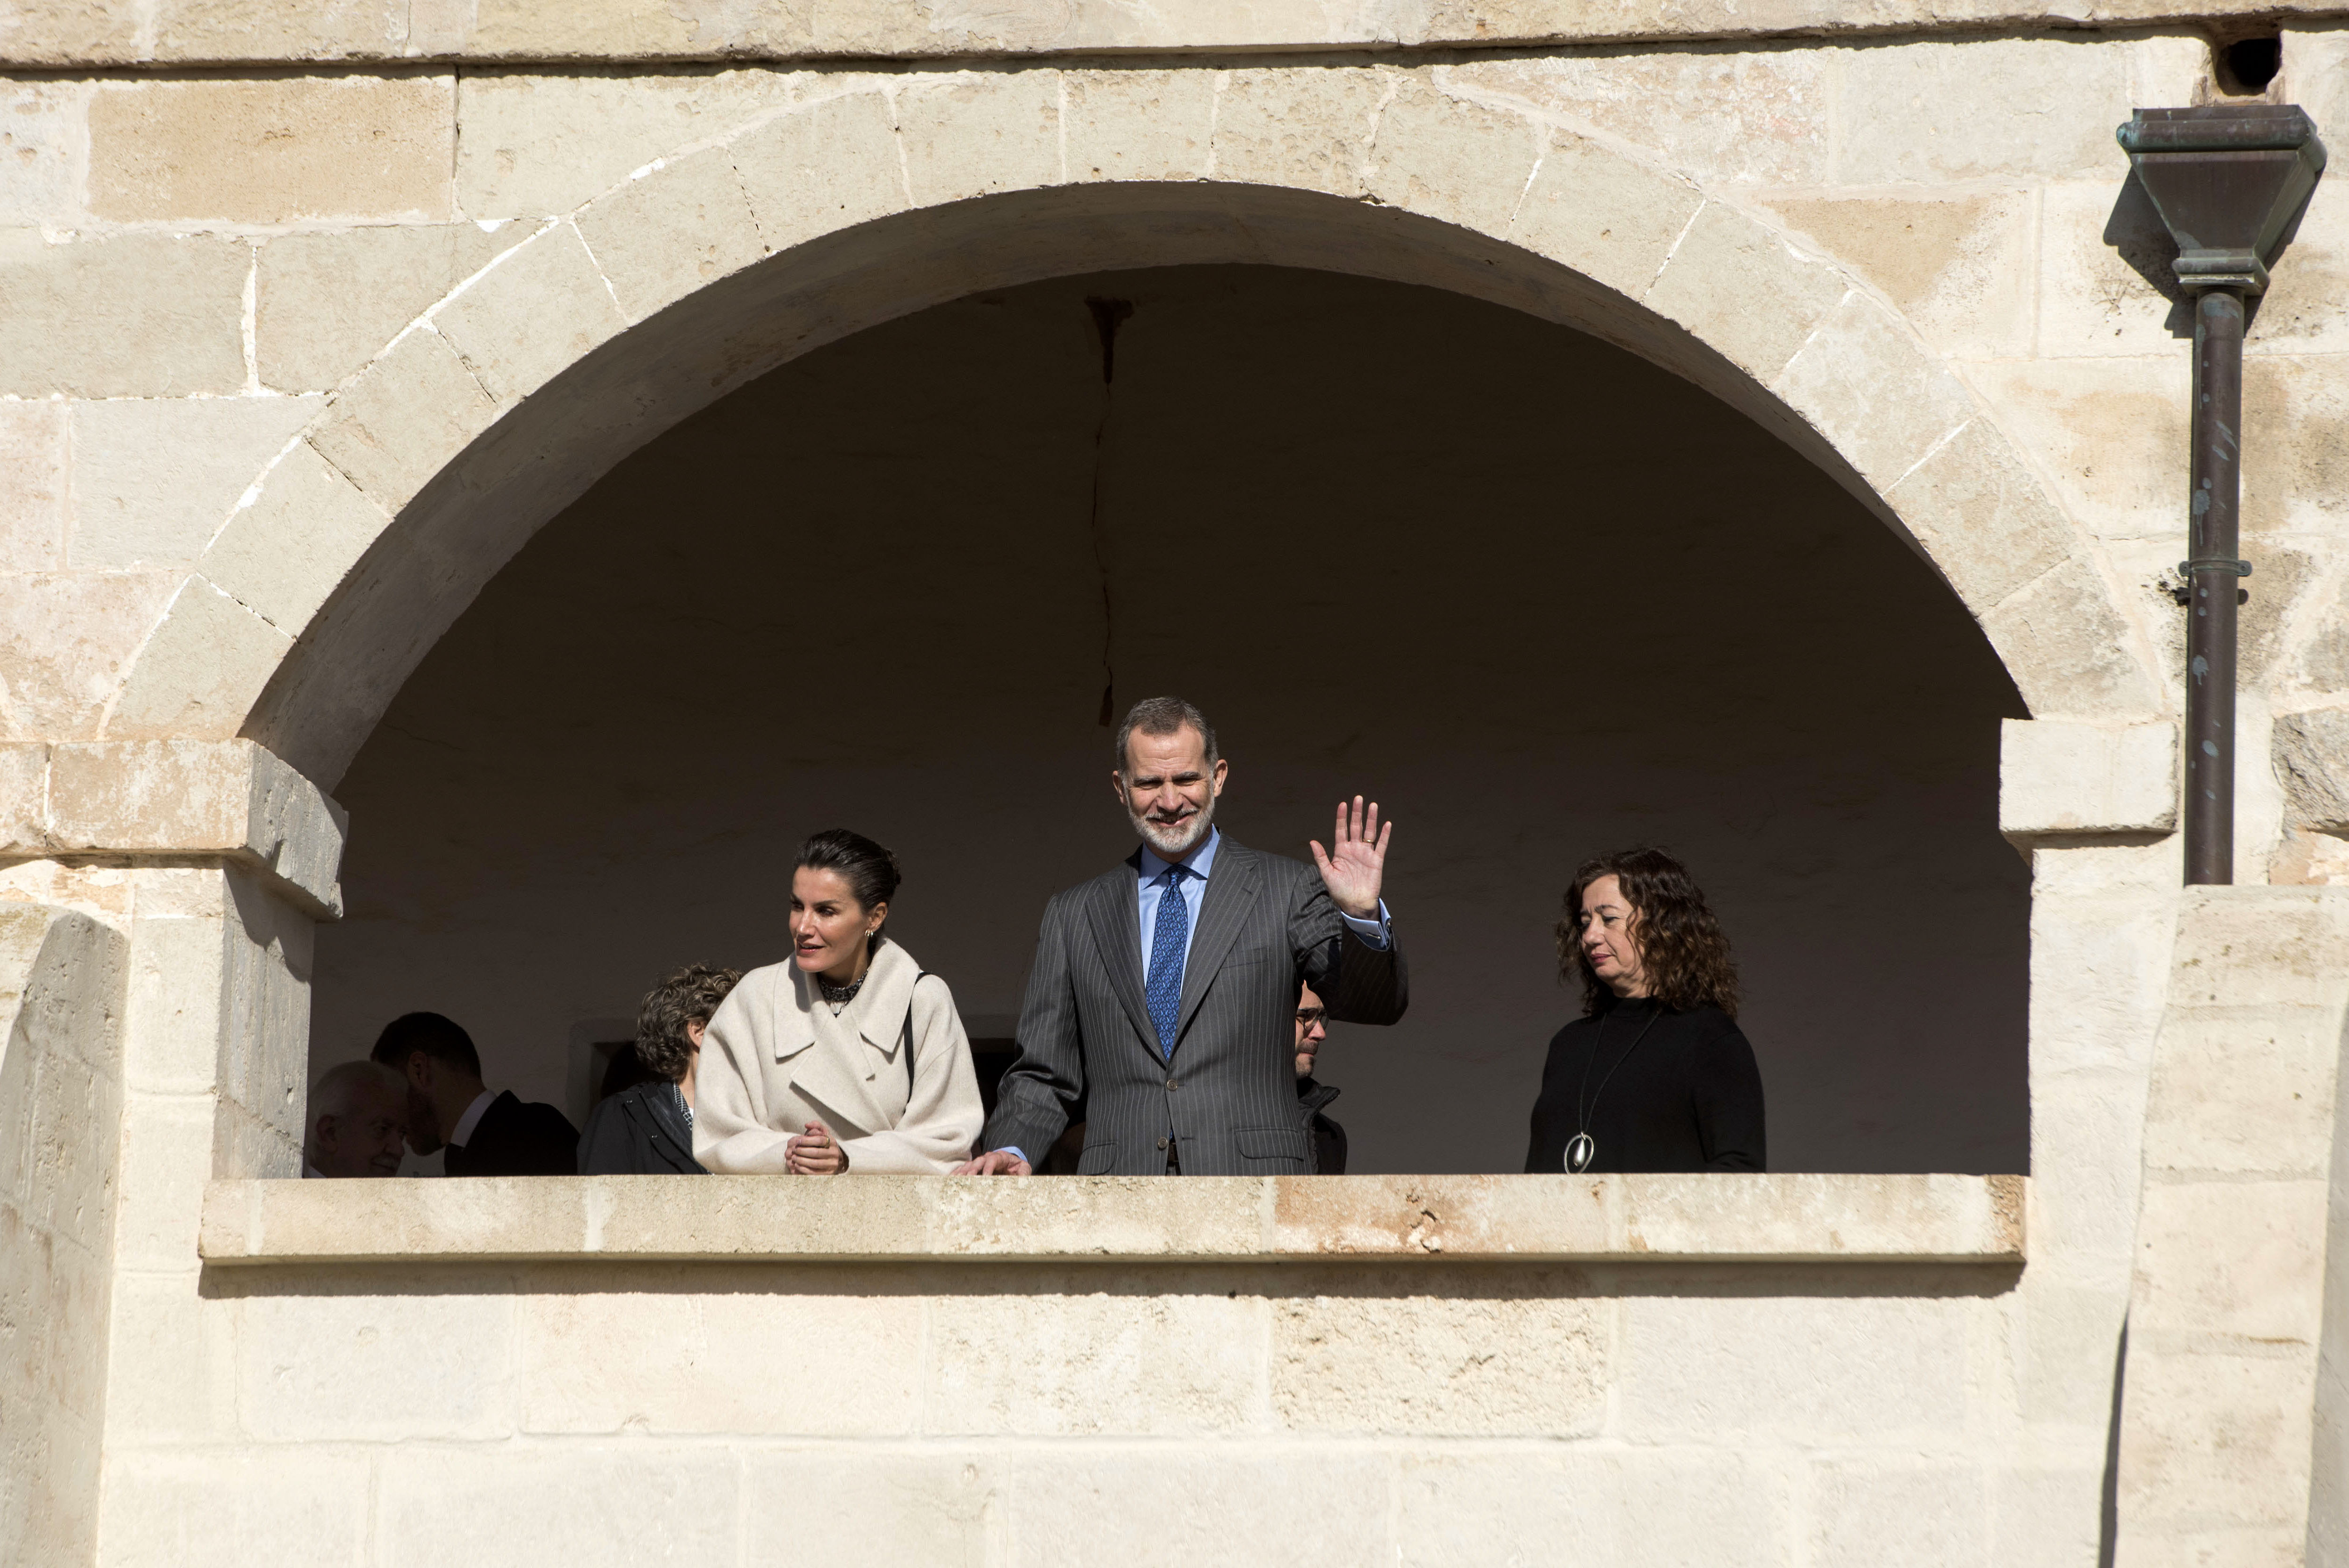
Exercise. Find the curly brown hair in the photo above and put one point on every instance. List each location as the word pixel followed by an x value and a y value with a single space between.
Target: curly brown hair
pixel 1681 945
pixel 688 997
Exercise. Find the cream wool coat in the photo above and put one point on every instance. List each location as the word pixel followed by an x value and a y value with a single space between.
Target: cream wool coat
pixel 775 1059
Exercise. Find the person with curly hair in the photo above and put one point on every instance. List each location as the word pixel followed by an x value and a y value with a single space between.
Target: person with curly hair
pixel 646 1129
pixel 1656 1074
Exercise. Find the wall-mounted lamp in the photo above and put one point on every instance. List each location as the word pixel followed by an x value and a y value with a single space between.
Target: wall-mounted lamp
pixel 2227 179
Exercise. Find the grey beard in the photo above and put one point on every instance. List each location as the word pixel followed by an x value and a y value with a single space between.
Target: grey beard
pixel 1195 833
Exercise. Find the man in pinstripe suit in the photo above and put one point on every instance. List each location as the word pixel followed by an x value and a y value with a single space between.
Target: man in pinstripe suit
pixel 1163 996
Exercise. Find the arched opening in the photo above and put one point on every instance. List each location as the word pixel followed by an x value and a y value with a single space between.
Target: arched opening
pixel 1538 595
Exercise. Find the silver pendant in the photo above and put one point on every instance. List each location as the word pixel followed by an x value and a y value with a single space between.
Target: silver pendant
pixel 1580 1152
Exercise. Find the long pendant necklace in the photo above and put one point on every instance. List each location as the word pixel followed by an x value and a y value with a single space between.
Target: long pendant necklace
pixel 1582 1148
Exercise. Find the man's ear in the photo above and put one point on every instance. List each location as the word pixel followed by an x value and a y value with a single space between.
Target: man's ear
pixel 323 1128
pixel 419 1072
pixel 1223 769
pixel 1117 785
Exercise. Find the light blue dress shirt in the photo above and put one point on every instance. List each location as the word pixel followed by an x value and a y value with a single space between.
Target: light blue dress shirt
pixel 1201 861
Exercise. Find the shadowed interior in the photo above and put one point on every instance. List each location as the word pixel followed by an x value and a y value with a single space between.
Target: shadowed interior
pixel 1538 596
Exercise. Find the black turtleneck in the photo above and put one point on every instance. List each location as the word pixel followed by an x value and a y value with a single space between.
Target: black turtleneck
pixel 1685 1096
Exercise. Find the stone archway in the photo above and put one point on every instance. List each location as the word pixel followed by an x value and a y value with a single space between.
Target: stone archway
pixel 369 535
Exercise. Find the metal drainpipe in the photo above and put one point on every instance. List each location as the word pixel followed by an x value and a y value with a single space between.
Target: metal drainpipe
pixel 2227 179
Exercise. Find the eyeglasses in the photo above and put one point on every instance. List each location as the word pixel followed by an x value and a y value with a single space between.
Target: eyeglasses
pixel 1308 1016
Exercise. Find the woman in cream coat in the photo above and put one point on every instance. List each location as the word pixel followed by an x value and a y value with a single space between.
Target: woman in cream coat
pixel 847 1059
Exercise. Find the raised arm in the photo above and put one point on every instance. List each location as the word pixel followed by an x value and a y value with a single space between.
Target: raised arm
pixel 1340 930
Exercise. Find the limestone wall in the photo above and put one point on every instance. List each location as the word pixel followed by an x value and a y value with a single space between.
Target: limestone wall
pixel 61 1096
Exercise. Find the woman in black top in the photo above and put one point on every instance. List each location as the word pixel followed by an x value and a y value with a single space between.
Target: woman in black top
pixel 1655 1075
pixel 646 1129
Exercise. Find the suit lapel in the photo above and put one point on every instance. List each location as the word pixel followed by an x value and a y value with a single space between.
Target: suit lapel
pixel 1231 889
pixel 1115 912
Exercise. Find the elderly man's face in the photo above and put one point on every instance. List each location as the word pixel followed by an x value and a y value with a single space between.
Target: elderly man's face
pixel 365 1140
pixel 1168 789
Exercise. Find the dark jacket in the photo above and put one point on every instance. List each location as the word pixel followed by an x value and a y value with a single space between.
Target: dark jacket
pixel 1228 1097
pixel 639 1132
pixel 517 1139
pixel 1329 1138
pixel 1656 1090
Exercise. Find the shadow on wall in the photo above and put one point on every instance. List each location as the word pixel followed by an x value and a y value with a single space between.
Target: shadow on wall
pixel 1538 596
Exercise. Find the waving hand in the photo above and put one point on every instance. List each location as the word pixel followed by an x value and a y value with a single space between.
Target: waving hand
pixel 1353 867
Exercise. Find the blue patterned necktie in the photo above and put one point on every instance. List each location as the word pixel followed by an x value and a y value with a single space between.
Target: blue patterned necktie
pixel 1167 940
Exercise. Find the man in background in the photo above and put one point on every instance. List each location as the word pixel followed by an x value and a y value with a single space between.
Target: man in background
pixel 358 1114
pixel 1313 1098
pixel 486 1134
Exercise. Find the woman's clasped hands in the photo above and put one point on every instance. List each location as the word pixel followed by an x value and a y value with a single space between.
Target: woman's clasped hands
pixel 815 1152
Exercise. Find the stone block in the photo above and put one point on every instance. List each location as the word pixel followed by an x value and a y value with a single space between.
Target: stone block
pixel 2059 778
pixel 1139 125
pixel 173 1041
pixel 412 411
pixel 1306 127
pixel 2085 1194
pixel 965 137
pixel 23 798
pixel 2070 1352
pixel 237 1508
pixel 2323 659
pixel 200 671
pixel 275 150
pixel 77 32
pixel 32 486
pixel 1933 113
pixel 1758 117
pixel 2244 947
pixel 1863 381
pixel 2069 653
pixel 2111 433
pixel 1075 1507
pixel 2311 761
pixel 534 315
pixel 1610 219
pixel 1863 1515
pixel 44 148
pixel 1452 158
pixel 1553 1503
pixel 827 165
pixel 2244 1260
pixel 1519 1354
pixel 2049 1517
pixel 167 1156
pixel 2296 464
pixel 1719 1369
pixel 359 1368
pixel 2247 1091
pixel 1957 267
pixel 2301 312
pixel 285 554
pixel 571 1506
pixel 534 143
pixel 2105 287
pixel 209 31
pixel 1982 517
pixel 126 316
pixel 1746 289
pixel 325 303
pixel 2214 1439
pixel 685 225
pixel 171 1363
pixel 65 641
pixel 683 1358
pixel 880 1508
pixel 153 479
pixel 1134 1360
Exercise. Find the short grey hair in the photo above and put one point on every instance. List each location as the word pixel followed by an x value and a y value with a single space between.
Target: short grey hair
pixel 1161 715
pixel 341 1088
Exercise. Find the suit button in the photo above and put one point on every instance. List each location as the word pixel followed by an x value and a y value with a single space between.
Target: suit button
pixel 1162 1143
pixel 1172 1085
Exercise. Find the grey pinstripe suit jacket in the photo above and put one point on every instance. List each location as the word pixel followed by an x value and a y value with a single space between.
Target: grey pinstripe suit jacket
pixel 1229 1096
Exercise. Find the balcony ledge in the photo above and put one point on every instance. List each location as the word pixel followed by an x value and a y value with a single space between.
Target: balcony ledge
pixel 1813 1219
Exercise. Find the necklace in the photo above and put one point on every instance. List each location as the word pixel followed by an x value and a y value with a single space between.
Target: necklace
pixel 1582 1148
pixel 840 996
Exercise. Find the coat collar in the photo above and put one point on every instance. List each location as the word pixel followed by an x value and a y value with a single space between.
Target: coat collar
pixel 856 1044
